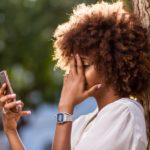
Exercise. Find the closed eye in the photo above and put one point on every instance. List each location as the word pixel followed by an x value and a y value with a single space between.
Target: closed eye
pixel 86 65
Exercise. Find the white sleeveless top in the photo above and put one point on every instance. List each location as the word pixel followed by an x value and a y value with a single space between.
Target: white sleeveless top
pixel 119 125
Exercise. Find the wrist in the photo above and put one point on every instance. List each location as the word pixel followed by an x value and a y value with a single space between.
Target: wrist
pixel 66 108
pixel 10 131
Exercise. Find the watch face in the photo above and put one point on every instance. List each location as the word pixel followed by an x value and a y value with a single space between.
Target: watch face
pixel 60 117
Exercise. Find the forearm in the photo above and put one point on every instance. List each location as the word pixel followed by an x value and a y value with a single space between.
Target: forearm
pixel 62 138
pixel 14 140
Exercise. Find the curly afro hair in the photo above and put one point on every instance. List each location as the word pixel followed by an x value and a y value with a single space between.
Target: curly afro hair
pixel 113 38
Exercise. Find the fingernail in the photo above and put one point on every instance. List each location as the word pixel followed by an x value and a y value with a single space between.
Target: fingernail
pixel 29 112
pixel 18 102
pixel 12 95
pixel 99 85
pixel 4 84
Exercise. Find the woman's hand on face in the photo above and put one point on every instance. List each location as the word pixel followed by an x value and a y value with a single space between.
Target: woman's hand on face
pixel 73 91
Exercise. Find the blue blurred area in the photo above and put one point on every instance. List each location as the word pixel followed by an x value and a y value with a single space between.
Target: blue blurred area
pixel 39 132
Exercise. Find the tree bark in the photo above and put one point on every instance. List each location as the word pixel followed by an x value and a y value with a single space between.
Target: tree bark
pixel 142 9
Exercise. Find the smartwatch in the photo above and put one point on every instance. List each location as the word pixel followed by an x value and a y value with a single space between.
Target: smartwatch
pixel 63 117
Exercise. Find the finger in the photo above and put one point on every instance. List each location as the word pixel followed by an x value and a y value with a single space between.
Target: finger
pixel 7 98
pixel 79 65
pixel 20 103
pixel 91 91
pixel 4 111
pixel 11 105
pixel 19 106
pixel 73 70
pixel 3 88
pixel 25 113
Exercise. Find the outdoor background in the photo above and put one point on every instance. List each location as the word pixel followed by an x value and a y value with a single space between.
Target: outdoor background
pixel 26 39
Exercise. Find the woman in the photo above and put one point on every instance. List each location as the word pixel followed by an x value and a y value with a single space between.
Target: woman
pixel 104 52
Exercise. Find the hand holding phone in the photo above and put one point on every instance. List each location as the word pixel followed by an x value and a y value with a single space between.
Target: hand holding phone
pixel 4 79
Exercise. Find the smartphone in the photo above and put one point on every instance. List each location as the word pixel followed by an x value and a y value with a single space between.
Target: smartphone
pixel 4 79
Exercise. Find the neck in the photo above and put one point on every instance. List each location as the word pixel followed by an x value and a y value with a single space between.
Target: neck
pixel 107 97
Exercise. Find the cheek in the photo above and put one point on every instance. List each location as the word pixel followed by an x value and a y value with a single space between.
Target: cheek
pixel 92 78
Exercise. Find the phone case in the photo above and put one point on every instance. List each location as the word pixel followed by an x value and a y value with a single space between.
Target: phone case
pixel 4 79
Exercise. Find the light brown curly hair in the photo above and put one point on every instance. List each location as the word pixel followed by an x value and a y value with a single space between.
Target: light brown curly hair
pixel 114 39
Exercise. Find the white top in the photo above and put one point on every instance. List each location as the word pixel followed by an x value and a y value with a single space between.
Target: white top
pixel 119 125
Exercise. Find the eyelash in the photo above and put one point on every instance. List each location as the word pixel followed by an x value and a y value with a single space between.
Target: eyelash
pixel 86 66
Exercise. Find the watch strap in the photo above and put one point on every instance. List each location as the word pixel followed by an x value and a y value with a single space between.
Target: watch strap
pixel 63 117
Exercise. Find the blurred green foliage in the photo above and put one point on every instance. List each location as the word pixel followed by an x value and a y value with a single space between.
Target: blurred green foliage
pixel 26 29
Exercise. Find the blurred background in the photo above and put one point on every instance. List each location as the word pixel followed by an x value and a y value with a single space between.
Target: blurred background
pixel 26 39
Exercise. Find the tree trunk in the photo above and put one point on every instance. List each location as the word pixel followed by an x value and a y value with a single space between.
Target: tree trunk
pixel 142 9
